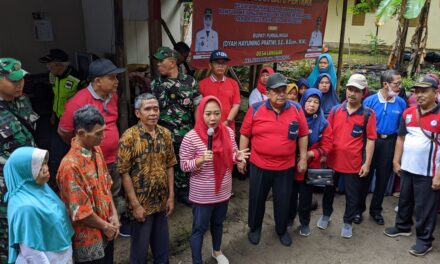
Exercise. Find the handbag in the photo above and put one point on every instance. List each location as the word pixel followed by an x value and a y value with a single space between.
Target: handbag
pixel 320 177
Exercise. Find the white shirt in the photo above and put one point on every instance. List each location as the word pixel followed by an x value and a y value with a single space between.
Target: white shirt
pixel 315 39
pixel 29 255
pixel 206 40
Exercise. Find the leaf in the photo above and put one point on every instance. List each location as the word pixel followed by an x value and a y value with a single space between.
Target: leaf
pixel 413 8
pixel 386 10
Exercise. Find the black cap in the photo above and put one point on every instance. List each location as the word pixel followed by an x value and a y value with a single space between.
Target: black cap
pixel 56 55
pixel 103 67
pixel 218 55
pixel 275 81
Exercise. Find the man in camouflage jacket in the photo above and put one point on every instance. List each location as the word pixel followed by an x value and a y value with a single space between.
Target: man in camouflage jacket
pixel 17 125
pixel 178 95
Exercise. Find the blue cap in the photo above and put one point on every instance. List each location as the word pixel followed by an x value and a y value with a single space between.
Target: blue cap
pixel 218 55
pixel 103 67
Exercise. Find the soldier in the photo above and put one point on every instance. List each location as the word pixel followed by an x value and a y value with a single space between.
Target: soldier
pixel 17 125
pixel 178 95
pixel 207 38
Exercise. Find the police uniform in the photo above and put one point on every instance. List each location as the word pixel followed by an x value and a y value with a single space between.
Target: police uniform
pixel 206 40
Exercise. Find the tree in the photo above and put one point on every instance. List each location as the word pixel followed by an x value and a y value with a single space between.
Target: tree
pixel 409 9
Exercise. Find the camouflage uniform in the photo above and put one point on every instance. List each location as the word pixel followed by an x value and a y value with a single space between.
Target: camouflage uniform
pixel 13 134
pixel 177 98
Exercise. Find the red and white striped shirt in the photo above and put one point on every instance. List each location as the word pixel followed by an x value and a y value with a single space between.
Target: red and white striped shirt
pixel 202 180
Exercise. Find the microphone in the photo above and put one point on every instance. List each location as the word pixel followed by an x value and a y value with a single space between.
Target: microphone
pixel 210 133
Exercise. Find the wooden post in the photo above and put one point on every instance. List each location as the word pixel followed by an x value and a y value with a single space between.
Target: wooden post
pixel 154 32
pixel 252 71
pixel 341 43
pixel 120 60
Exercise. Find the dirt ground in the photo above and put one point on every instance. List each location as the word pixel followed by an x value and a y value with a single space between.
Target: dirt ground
pixel 368 244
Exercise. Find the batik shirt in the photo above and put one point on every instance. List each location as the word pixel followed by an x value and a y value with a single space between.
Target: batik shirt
pixel 178 98
pixel 146 159
pixel 85 189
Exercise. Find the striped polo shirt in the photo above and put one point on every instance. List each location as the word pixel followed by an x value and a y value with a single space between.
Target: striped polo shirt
pixel 202 180
pixel 421 155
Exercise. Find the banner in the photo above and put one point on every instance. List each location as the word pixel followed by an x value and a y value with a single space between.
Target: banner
pixel 257 31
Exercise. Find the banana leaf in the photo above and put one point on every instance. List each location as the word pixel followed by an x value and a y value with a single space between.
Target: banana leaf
pixel 413 8
pixel 387 9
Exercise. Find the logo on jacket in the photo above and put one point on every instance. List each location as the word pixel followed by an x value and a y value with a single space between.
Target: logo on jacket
pixel 408 119
pixel 434 123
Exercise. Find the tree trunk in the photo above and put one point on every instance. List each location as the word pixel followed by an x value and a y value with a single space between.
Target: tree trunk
pixel 418 41
pixel 395 60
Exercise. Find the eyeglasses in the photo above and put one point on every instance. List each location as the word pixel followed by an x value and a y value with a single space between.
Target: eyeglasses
pixel 396 83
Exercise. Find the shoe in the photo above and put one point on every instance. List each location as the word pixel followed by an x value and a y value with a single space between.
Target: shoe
pixel 285 239
pixel 323 222
pixel 419 250
pixel 347 230
pixel 396 194
pixel 254 236
pixel 358 219
pixel 396 209
pixel 304 230
pixel 221 259
pixel 395 232
pixel 378 218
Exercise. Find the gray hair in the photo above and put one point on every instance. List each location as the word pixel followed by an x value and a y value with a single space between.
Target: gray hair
pixel 87 117
pixel 145 96
pixel 387 76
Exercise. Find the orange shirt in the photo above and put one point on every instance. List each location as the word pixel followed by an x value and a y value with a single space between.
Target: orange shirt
pixel 85 184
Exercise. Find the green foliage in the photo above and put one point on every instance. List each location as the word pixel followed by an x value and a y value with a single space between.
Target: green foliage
pixel 373 82
pixel 407 83
pixel 365 6
pixel 298 69
pixel 374 43
pixel 388 9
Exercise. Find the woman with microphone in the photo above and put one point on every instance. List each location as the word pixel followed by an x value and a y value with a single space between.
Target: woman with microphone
pixel 209 152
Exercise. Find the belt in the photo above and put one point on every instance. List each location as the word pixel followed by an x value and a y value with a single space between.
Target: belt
pixel 383 136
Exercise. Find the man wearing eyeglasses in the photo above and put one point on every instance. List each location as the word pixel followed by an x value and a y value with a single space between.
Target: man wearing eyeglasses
pixel 224 88
pixel 388 107
pixel 17 125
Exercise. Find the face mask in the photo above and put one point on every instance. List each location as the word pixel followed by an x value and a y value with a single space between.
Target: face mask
pixel 391 93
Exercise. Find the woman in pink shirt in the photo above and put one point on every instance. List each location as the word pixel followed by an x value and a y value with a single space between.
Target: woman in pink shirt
pixel 211 178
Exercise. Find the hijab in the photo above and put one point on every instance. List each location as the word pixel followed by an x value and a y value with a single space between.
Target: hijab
pixel 221 142
pixel 290 87
pixel 316 122
pixel 330 70
pixel 330 98
pixel 260 85
pixel 300 82
pixel 36 216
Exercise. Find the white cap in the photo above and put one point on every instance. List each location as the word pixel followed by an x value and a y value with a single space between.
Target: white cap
pixel 357 80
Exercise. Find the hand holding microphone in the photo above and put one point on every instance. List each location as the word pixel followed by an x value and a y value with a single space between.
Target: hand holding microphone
pixel 208 154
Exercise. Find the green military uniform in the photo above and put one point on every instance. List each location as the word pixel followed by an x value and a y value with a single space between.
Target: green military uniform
pixel 13 134
pixel 17 120
pixel 178 98
pixel 63 88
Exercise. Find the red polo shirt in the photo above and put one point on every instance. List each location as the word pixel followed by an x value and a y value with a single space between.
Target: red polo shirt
pixel 348 138
pixel 226 90
pixel 108 109
pixel 274 135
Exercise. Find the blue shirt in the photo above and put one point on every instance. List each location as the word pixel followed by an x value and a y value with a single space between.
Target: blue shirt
pixel 388 113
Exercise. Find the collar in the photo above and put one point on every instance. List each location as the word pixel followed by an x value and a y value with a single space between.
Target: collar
pixel 88 154
pixel 360 111
pixel 434 110
pixel 144 132
pixel 285 107
pixel 96 96
pixel 66 72
pixel 383 100
pixel 214 79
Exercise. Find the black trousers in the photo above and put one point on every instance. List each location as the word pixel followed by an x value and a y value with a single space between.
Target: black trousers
pixel 301 201
pixel 416 193
pixel 260 183
pixel 352 188
pixel 57 150
pixel 382 166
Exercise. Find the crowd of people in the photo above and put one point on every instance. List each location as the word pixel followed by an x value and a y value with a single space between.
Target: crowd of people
pixel 76 195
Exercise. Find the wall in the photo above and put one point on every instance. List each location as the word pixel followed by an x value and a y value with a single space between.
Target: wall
pixel 17 38
pixel 136 30
pixel 387 32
